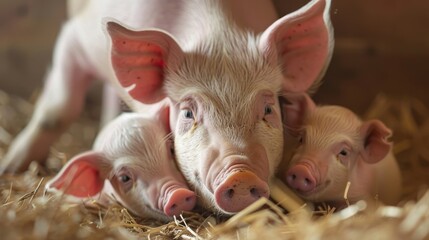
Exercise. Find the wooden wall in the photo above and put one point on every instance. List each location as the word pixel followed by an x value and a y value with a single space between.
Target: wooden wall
pixel 381 46
pixel 28 29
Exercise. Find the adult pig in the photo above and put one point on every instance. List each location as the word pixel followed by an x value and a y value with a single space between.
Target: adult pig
pixel 131 160
pixel 334 147
pixel 205 60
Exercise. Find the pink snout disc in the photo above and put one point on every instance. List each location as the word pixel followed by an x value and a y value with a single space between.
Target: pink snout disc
pixel 239 190
pixel 180 200
pixel 300 178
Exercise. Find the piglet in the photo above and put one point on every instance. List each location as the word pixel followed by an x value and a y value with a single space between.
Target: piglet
pixel 333 147
pixel 132 160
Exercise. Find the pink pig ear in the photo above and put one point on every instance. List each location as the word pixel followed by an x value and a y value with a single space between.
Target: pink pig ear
pixel 295 107
pixel 140 58
pixel 80 177
pixel 302 43
pixel 376 146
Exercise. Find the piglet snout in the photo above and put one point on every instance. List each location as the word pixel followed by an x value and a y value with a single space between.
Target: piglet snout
pixel 240 190
pixel 300 178
pixel 180 200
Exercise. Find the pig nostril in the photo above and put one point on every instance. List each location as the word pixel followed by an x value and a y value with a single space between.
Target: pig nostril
pixel 188 199
pixel 254 192
pixel 230 193
pixel 173 206
pixel 293 176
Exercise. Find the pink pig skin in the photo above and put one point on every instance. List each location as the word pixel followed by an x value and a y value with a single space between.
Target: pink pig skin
pixel 82 55
pixel 220 66
pixel 131 160
pixel 333 146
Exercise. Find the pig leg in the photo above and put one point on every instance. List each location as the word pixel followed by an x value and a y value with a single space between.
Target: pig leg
pixel 111 105
pixel 59 104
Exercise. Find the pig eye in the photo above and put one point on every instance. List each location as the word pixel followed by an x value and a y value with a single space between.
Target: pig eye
pixel 268 110
pixel 343 156
pixel 124 177
pixel 344 153
pixel 187 113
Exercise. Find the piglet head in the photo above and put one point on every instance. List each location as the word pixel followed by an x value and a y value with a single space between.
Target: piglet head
pixel 91 176
pixel 334 146
pixel 133 155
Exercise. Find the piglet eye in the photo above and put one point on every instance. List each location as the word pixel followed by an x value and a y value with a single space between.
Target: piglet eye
pixel 343 156
pixel 344 153
pixel 124 178
pixel 268 110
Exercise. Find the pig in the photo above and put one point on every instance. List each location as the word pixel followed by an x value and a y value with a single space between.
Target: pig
pixel 334 146
pixel 132 161
pixel 219 66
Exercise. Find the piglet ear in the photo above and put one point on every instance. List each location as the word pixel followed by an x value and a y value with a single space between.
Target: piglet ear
pixel 80 177
pixel 140 59
pixel 163 115
pixel 302 43
pixel 376 145
pixel 295 107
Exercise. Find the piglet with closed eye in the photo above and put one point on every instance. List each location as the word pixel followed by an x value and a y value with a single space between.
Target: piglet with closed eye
pixel 131 159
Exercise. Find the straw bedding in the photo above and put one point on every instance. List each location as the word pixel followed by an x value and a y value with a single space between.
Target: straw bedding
pixel 27 212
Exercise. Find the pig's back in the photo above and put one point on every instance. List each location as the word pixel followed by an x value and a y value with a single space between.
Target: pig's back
pixel 188 21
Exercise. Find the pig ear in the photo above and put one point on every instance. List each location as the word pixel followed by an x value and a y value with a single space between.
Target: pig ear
pixel 295 107
pixel 302 43
pixel 163 115
pixel 376 145
pixel 140 59
pixel 80 177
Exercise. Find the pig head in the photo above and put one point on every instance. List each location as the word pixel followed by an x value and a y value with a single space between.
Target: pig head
pixel 131 161
pixel 334 147
pixel 223 90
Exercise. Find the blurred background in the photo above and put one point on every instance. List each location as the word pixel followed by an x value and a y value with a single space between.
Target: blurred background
pixel 381 46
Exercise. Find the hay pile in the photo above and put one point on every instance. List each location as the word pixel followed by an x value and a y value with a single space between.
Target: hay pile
pixel 27 212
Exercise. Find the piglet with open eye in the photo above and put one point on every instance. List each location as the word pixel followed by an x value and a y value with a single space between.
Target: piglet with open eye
pixel 334 146
pixel 131 159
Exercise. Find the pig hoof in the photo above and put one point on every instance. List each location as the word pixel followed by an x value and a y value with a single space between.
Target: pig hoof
pixel 239 191
pixel 180 200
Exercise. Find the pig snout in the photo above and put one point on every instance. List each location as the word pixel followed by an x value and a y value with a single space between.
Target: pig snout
pixel 301 178
pixel 179 200
pixel 239 190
